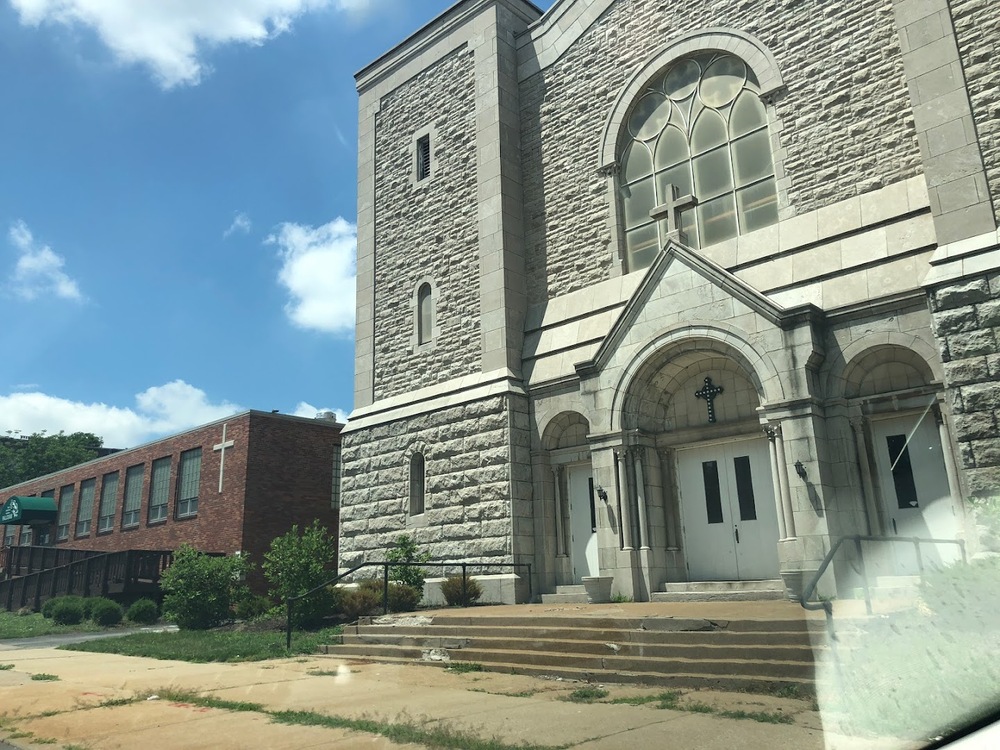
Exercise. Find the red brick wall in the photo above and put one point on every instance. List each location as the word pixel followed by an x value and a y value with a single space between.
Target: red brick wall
pixel 289 480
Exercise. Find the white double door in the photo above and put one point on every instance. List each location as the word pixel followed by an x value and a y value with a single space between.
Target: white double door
pixel 728 511
pixel 582 521
pixel 915 493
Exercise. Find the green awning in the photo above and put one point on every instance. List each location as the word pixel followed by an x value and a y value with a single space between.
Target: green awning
pixel 24 511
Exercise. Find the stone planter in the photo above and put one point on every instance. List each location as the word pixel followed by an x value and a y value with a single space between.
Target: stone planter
pixel 598 588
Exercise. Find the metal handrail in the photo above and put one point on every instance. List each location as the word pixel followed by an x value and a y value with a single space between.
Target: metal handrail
pixel 827 605
pixel 385 583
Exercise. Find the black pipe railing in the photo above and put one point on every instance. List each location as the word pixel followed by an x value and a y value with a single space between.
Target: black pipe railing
pixel 827 605
pixel 289 601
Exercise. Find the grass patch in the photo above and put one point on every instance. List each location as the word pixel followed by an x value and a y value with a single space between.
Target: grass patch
pixel 521 694
pixel 5 667
pixel 587 695
pixel 765 717
pixel 697 708
pixel 462 667
pixel 437 736
pixel 30 626
pixel 203 646
pixel 44 677
pixel 662 700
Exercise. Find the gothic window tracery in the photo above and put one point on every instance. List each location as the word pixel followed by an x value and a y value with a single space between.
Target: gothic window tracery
pixel 698 128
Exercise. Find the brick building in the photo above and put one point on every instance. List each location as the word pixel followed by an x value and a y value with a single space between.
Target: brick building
pixel 229 486
pixel 673 292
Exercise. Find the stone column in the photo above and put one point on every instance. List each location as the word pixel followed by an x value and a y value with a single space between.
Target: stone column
pixel 560 535
pixel 669 501
pixel 624 500
pixel 867 488
pixel 954 487
pixel 786 496
pixel 772 435
pixel 640 496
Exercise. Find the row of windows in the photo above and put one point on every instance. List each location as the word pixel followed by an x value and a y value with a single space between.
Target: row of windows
pixel 186 500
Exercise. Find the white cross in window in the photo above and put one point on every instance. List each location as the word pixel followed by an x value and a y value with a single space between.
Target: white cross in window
pixel 222 458
pixel 671 210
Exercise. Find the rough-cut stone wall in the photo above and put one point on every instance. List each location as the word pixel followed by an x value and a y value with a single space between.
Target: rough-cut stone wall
pixel 976 22
pixel 966 321
pixel 847 122
pixel 427 229
pixel 469 452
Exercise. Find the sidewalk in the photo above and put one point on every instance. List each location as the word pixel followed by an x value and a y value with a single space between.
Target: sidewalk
pixel 514 709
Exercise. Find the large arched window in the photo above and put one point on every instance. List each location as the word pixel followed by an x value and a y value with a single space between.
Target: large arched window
pixel 699 128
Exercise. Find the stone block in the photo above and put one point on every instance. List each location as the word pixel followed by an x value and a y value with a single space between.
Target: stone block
pixel 974 344
pixel 984 481
pixel 987 452
pixel 970 293
pixel 981 397
pixel 989 314
pixel 964 371
pixel 975 426
pixel 967 456
pixel 959 320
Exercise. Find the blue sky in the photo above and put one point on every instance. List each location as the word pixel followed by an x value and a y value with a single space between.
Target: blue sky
pixel 177 207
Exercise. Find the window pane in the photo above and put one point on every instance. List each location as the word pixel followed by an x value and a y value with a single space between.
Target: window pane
pixel 671 149
pixel 86 511
pixel 758 206
pixel 752 158
pixel 712 174
pixel 722 81
pixel 65 511
pixel 159 489
pixel 709 132
pixel 133 495
pixel 748 114
pixel 109 494
pixel 637 162
pixel 643 244
pixel 682 79
pixel 713 494
pixel 679 177
pixel 639 200
pixel 744 488
pixel 188 482
pixel 650 115
pixel 717 220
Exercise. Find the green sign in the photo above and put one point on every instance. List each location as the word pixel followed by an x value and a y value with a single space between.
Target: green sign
pixel 24 511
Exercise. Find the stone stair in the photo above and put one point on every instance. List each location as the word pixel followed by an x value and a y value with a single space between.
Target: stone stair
pixel 566 595
pixel 892 587
pixel 721 591
pixel 757 655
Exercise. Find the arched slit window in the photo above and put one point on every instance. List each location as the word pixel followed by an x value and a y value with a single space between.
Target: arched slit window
pixel 699 128
pixel 416 484
pixel 425 314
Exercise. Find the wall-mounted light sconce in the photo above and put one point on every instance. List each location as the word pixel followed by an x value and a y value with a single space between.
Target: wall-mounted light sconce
pixel 800 470
pixel 602 493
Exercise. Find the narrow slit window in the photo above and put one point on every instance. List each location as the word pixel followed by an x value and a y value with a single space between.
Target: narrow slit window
pixel 713 492
pixel 902 472
pixel 593 506
pixel 744 488
pixel 425 306
pixel 423 157
pixel 417 484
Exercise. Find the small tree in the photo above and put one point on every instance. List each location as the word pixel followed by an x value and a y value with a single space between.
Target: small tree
pixel 297 563
pixel 199 590
pixel 405 550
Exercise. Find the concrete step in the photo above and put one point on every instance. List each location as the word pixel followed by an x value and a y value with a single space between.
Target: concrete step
pixel 739 595
pixel 770 669
pixel 600 635
pixel 564 599
pixel 794 623
pixel 802 653
pixel 775 584
pixel 647 678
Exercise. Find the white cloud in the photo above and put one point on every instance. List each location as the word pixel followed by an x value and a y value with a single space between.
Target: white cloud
pixel 318 270
pixel 38 271
pixel 171 36
pixel 305 409
pixel 158 411
pixel 241 223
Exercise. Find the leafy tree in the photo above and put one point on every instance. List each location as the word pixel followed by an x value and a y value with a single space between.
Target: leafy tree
pixel 405 550
pixel 199 589
pixel 297 563
pixel 22 459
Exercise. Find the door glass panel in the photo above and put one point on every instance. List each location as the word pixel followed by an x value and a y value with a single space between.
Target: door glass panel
pixel 713 493
pixel 593 508
pixel 902 471
pixel 744 488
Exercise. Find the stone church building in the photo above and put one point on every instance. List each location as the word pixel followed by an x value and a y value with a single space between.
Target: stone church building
pixel 673 292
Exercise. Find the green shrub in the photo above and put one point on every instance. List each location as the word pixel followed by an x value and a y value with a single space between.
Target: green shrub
pixel 199 590
pixel 405 550
pixel 67 611
pixel 105 612
pixel 252 607
pixel 297 563
pixel 143 612
pixel 359 602
pixel 451 589
pixel 50 603
pixel 403 598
